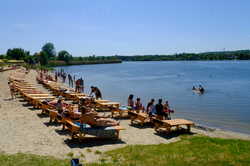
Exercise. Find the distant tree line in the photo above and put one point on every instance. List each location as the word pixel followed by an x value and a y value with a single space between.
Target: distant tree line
pixel 49 57
pixel 223 55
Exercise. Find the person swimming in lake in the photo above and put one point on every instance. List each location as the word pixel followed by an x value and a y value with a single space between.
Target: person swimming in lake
pixel 201 89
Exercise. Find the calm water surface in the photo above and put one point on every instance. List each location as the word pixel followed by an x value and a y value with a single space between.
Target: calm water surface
pixel 226 103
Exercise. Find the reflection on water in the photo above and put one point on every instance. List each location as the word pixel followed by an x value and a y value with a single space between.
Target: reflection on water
pixel 225 104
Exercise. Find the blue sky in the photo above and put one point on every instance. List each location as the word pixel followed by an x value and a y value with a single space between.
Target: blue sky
pixel 127 27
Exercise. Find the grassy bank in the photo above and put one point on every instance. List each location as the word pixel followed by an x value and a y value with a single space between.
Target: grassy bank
pixel 189 151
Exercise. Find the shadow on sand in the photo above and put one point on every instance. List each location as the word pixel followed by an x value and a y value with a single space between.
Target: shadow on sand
pixel 91 141
pixel 40 115
pixel 52 124
pixel 8 99
pixel 173 134
pixel 139 126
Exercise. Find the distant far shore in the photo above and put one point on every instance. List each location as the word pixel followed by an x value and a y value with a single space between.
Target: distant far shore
pixel 62 63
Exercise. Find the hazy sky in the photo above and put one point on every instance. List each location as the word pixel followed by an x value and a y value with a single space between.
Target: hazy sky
pixel 128 27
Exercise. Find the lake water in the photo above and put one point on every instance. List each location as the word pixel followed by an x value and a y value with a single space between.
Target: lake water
pixel 225 104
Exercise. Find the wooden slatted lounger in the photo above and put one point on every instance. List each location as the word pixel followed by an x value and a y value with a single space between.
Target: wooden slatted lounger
pixel 46 108
pixel 142 118
pixel 36 101
pixel 106 106
pixel 168 124
pixel 111 132
pixel 28 96
pixel 119 112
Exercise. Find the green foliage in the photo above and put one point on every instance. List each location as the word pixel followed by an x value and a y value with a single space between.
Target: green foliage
pixel 224 55
pixel 2 56
pixel 64 56
pixel 17 53
pixel 43 58
pixel 49 49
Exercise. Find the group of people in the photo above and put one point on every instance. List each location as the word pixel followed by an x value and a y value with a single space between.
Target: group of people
pixel 161 110
pixel 79 87
pixel 200 89
pixel 88 115
pixel 79 83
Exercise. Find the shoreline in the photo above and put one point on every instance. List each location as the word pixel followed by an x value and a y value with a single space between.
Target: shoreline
pixel 24 130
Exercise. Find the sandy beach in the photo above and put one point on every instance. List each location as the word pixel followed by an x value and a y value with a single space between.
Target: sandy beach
pixel 24 130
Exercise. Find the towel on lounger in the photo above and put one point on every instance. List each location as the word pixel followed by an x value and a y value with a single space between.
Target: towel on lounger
pixel 97 131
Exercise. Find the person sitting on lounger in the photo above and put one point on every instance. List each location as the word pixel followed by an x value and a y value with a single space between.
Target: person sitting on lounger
pixel 131 101
pixel 150 107
pixel 96 91
pixel 138 105
pixel 92 118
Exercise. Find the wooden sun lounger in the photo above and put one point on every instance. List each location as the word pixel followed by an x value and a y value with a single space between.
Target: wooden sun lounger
pixel 54 116
pixel 168 124
pixel 29 95
pixel 105 106
pixel 36 101
pixel 141 118
pixel 78 134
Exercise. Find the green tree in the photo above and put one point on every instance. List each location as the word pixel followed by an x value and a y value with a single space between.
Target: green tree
pixel 64 56
pixel 42 58
pixel 2 56
pixel 50 50
pixel 17 53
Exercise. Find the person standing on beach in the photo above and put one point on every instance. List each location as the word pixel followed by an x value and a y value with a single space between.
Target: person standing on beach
pixel 130 101
pixel 77 85
pixel 150 107
pixel 96 91
pixel 81 85
pixel 138 105
pixel 159 110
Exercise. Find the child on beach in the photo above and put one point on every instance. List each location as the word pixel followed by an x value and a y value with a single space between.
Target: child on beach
pixel 12 90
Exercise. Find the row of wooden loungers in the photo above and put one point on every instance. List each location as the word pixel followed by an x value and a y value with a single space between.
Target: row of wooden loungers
pixel 36 98
pixel 68 93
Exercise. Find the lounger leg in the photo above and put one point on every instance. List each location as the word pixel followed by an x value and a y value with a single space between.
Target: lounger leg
pixel 188 128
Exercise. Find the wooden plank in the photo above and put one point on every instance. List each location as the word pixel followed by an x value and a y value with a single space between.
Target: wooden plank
pixel 177 122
